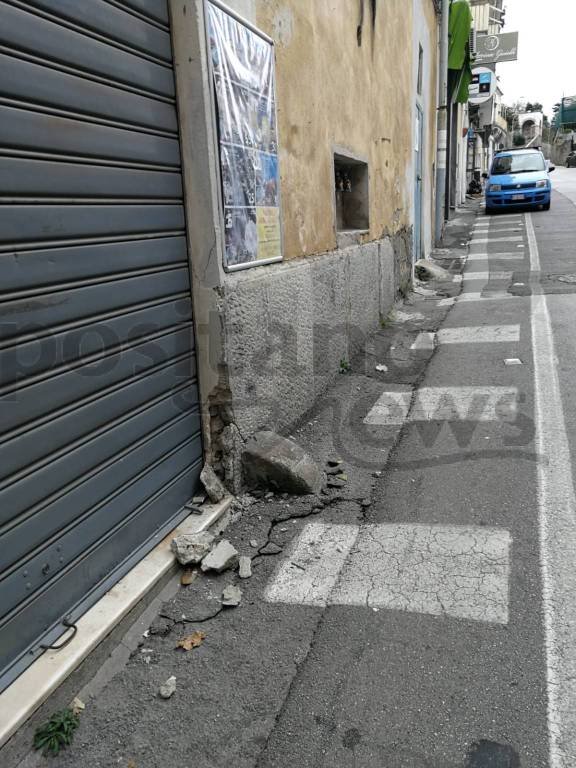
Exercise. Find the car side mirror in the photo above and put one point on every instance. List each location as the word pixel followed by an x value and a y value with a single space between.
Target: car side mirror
pixel 484 175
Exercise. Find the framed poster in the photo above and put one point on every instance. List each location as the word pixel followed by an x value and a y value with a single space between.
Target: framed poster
pixel 242 71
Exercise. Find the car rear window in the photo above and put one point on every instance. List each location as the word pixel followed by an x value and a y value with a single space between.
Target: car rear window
pixel 519 163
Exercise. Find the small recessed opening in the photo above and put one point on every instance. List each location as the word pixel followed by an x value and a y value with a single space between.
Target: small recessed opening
pixel 352 202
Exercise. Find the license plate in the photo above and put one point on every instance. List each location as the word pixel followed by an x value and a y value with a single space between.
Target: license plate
pixel 517 197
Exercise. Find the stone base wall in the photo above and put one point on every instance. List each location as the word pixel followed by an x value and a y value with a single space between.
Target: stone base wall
pixel 289 329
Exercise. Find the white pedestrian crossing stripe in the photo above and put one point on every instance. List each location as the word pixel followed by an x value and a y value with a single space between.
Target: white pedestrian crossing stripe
pixel 485 241
pixel 484 334
pixel 487 276
pixel 445 404
pixel 457 571
pixel 504 256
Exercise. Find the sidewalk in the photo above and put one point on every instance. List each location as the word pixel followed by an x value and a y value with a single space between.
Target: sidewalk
pixel 375 629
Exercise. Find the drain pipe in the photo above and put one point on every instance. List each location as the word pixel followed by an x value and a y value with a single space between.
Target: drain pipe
pixel 442 152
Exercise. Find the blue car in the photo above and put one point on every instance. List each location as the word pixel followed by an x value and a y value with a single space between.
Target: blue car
pixel 519 178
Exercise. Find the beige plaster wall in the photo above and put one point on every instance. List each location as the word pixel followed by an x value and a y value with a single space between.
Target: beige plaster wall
pixel 334 92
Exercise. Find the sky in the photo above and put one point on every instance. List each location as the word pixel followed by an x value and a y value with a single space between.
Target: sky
pixel 546 66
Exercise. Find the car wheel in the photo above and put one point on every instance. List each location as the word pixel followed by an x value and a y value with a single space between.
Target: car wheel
pixel 546 207
pixel 490 211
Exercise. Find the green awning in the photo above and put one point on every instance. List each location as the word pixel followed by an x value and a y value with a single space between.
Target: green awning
pixel 459 50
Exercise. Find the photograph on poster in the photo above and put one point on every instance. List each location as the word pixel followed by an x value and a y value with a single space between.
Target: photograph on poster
pixel 241 232
pixel 267 179
pixel 238 176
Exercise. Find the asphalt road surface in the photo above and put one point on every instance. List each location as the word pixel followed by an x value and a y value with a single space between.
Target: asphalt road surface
pixel 435 628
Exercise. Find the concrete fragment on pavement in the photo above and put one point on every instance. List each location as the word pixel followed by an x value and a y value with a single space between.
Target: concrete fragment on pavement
pixel 192 548
pixel 231 596
pixel 245 567
pixel 427 270
pixel 223 557
pixel 168 689
pixel 272 461
pixel 212 483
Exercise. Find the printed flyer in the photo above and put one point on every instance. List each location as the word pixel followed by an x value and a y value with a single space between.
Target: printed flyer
pixel 243 69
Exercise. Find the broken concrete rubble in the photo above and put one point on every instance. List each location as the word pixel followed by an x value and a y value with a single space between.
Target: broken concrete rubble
pixel 245 567
pixel 190 549
pixel 168 689
pixel 223 557
pixel 231 596
pixel 213 485
pixel 427 270
pixel 271 549
pixel 272 461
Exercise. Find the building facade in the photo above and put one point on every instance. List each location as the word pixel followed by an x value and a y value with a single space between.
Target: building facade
pixel 366 76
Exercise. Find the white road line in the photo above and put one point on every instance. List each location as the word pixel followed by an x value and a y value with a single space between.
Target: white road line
pixel 458 571
pixel 310 573
pixel 485 241
pixel 445 404
pixel 485 228
pixel 486 276
pixel 557 505
pixel 504 256
pixel 484 334
pixel 473 296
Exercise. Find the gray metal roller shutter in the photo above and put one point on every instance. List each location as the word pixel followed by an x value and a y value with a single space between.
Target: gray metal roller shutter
pixel 100 427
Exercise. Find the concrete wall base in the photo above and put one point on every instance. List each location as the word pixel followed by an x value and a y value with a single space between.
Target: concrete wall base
pixel 288 328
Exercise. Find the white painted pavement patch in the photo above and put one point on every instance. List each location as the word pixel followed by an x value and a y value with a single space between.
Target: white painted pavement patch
pixel 457 571
pixel 484 334
pixel 424 342
pixel 310 573
pixel 445 404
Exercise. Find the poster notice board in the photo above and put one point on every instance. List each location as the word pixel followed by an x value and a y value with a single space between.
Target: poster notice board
pixel 244 84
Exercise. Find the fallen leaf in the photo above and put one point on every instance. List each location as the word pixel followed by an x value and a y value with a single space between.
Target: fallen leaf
pixel 131 764
pixel 194 640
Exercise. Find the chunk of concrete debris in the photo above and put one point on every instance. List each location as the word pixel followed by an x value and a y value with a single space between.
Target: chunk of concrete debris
pixel 334 462
pixel 245 567
pixel 191 548
pixel 168 689
pixel 382 368
pixel 427 270
pixel 188 577
pixel 161 627
pixel 231 596
pixel 253 543
pixel 77 706
pixel 366 503
pixel 271 549
pixel 223 557
pixel 212 483
pixel 272 461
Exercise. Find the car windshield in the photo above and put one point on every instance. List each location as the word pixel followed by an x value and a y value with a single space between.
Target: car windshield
pixel 519 163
